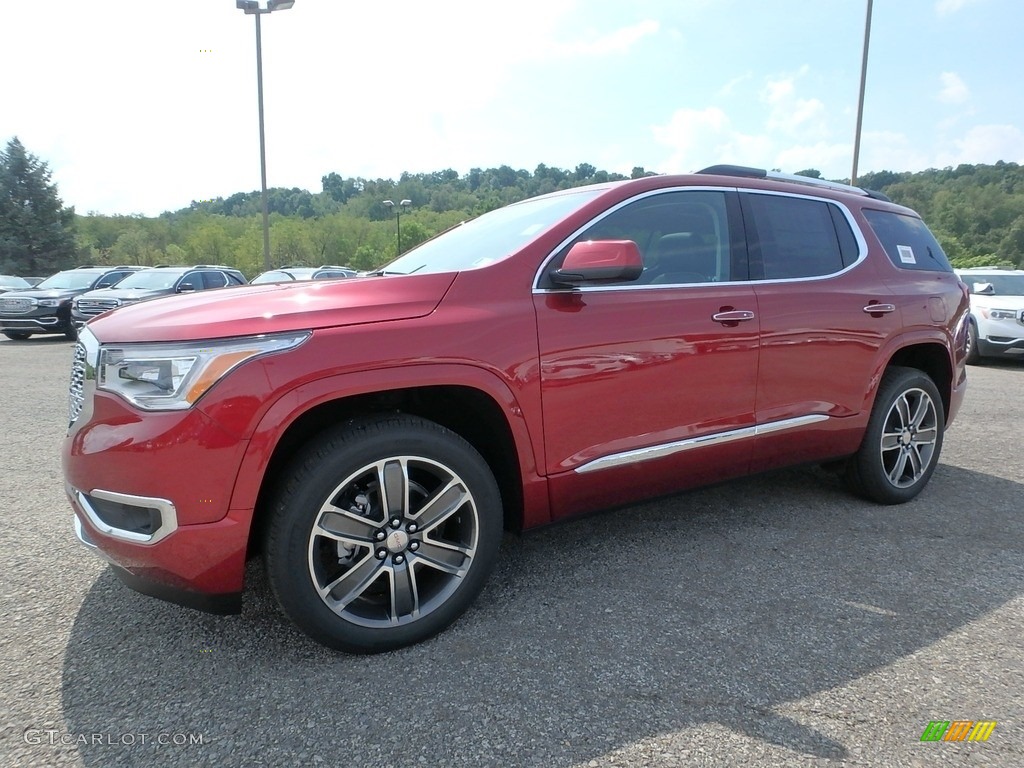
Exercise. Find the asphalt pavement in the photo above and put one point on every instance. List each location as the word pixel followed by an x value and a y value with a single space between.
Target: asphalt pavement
pixel 771 621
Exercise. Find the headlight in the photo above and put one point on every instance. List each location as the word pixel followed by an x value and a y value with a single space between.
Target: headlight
pixel 50 302
pixel 173 376
pixel 1002 314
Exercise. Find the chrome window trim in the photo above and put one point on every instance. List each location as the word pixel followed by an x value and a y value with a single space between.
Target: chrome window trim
pixel 862 245
pixel 168 515
pixel 719 438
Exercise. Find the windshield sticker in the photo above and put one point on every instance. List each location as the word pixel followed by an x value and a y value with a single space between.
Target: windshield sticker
pixel 906 254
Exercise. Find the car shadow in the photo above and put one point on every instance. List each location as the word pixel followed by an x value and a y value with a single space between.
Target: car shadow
pixel 716 606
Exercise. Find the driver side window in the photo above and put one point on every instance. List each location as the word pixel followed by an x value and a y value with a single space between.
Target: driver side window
pixel 682 236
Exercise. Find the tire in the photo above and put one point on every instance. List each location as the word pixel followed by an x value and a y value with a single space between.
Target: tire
pixel 17 335
pixel 71 334
pixel 357 578
pixel 903 439
pixel 973 356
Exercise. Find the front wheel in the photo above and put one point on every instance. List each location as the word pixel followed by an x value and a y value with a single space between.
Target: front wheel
pixel 17 335
pixel 383 533
pixel 903 439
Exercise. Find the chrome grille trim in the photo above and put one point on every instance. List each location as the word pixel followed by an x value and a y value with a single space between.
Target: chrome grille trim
pixel 96 306
pixel 76 391
pixel 17 306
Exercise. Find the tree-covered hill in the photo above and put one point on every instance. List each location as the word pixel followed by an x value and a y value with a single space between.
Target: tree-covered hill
pixel 976 211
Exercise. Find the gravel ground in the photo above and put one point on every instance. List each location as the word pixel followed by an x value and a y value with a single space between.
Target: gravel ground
pixel 771 621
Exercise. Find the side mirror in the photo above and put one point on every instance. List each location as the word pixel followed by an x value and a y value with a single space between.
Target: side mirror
pixel 600 261
pixel 186 287
pixel 984 289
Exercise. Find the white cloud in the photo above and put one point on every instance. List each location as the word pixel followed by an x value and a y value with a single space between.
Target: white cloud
pixel 789 113
pixel 619 41
pixel 703 137
pixel 984 144
pixel 946 7
pixel 954 89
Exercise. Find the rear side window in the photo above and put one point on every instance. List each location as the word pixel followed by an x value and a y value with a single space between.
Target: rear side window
pixel 907 241
pixel 796 237
pixel 214 279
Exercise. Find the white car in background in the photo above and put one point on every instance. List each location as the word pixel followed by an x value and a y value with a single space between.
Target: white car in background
pixel 997 312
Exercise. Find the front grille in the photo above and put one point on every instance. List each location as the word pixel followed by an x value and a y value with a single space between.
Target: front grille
pixel 16 306
pixel 76 392
pixel 95 306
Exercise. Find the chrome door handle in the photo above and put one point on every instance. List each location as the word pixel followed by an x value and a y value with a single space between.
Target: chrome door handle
pixel 879 309
pixel 735 316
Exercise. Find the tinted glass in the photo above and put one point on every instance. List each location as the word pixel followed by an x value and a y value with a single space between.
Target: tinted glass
pixel 795 237
pixel 683 237
pixel 9 281
pixel 214 279
pixel 907 241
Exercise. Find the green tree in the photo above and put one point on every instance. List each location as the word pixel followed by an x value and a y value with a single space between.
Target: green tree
pixel 36 230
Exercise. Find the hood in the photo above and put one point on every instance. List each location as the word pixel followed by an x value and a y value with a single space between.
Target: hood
pixel 274 308
pixel 130 294
pixel 53 293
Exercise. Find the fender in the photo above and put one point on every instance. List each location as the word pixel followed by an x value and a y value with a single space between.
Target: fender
pixel 298 401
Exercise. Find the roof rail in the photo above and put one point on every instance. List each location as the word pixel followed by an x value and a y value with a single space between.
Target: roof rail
pixel 760 173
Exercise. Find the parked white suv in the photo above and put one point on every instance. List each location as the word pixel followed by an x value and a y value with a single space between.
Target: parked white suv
pixel 997 312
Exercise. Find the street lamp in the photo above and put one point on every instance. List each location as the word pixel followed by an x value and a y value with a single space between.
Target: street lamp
pixel 398 217
pixel 252 7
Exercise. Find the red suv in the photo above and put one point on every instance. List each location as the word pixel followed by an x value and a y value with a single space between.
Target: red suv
pixel 589 348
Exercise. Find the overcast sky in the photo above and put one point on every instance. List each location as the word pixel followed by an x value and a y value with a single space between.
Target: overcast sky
pixel 141 106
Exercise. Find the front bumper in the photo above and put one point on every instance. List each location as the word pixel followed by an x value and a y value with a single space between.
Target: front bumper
pixel 153 495
pixel 197 566
pixel 37 323
pixel 997 346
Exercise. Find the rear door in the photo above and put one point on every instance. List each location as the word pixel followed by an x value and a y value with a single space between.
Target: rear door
pixel 648 385
pixel 825 312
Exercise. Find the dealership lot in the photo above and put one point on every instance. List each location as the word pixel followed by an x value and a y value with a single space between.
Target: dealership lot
pixel 775 620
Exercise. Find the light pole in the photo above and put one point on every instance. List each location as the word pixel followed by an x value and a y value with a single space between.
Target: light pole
pixel 252 7
pixel 398 217
pixel 860 100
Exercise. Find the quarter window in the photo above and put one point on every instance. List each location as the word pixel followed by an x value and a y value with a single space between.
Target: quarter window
pixel 797 237
pixel 907 241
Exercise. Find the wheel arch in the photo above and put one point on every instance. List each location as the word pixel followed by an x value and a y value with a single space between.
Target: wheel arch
pixel 487 417
pixel 933 359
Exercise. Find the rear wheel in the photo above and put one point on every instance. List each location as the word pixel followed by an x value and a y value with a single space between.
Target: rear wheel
pixel 17 335
pixel 902 441
pixel 973 357
pixel 383 534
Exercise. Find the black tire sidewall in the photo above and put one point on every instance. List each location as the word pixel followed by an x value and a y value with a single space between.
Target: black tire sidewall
pixel 866 475
pixel 973 355
pixel 316 472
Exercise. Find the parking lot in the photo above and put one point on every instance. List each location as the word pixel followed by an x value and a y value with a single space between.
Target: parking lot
pixel 775 620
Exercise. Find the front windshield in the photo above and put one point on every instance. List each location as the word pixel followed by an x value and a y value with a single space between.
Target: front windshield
pixel 1002 285
pixel 491 237
pixel 149 279
pixel 72 280
pixel 9 281
pixel 271 277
